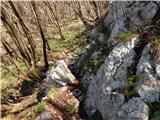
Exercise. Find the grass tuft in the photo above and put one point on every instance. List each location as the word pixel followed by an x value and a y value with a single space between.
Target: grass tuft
pixel 132 79
pixel 126 36
pixel 40 107
pixel 52 92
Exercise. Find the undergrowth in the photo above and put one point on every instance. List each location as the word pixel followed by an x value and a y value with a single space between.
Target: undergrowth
pixel 126 36
pixel 40 107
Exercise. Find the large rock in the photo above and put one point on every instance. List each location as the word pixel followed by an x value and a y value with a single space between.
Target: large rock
pixel 62 105
pixel 59 75
pixel 124 16
pixel 148 86
pixel 111 76
pixel 105 93
pixel 121 17
pixel 59 94
pixel 135 109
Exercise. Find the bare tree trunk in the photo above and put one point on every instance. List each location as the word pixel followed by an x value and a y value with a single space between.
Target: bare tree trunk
pixel 77 10
pixel 39 23
pixel 89 10
pixel 26 31
pixel 18 39
pixel 54 17
pixel 96 9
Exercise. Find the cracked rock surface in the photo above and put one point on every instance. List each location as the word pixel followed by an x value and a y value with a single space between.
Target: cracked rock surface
pixel 148 86
pixel 107 90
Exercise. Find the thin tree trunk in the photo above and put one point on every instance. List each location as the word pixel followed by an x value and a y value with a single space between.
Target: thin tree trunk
pixel 54 17
pixel 95 8
pixel 78 12
pixel 12 57
pixel 9 25
pixel 26 31
pixel 37 14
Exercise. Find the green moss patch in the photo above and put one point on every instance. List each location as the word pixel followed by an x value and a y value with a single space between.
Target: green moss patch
pixel 52 92
pixel 40 107
pixel 132 79
pixel 125 36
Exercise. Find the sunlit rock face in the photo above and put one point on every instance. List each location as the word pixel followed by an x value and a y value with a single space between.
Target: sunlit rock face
pixel 111 76
pixel 121 17
pixel 60 96
pixel 105 92
pixel 148 86
pixel 124 16
pixel 60 75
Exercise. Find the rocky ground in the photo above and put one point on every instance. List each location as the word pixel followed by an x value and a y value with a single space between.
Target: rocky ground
pixel 127 84
pixel 117 77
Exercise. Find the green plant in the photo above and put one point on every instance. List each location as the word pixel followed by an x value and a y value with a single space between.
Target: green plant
pixel 71 107
pixel 52 92
pixel 132 79
pixel 40 107
pixel 94 47
pixel 126 35
pixel 93 68
pixel 157 40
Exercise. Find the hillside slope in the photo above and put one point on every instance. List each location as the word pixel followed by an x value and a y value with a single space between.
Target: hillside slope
pixel 127 84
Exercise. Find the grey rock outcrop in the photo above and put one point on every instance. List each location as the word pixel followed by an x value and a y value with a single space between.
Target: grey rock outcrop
pixel 148 86
pixel 135 109
pixel 124 16
pixel 111 76
pixel 59 75
pixel 121 17
pixel 105 92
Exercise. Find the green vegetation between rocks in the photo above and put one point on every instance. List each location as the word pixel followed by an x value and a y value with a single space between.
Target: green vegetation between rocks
pixel 126 36
pixel 154 111
pixel 94 47
pixel 40 107
pixel 93 68
pixel 157 40
pixel 52 92
pixel 71 108
pixel 129 92
pixel 132 79
pixel 92 65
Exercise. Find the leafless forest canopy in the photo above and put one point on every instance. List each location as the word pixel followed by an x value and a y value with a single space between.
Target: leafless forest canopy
pixel 26 24
pixel 34 35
